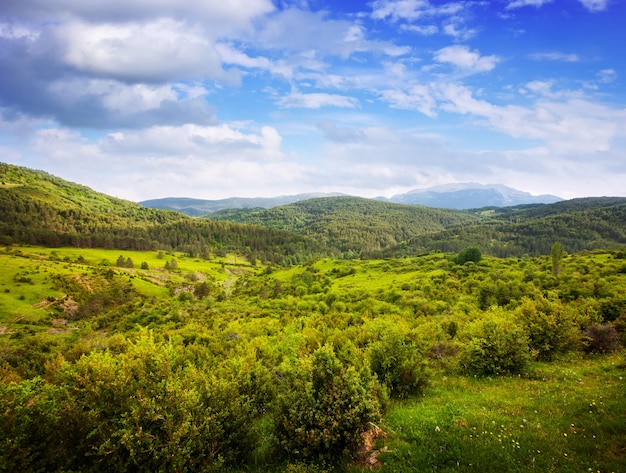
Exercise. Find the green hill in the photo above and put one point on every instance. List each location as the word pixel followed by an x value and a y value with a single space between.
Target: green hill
pixel 353 225
pixel 579 224
pixel 40 209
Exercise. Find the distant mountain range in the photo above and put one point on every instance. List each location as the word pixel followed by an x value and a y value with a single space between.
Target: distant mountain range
pixel 450 196
pixel 471 196
pixel 195 207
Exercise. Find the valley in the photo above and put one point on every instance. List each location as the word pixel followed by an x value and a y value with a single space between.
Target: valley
pixel 221 346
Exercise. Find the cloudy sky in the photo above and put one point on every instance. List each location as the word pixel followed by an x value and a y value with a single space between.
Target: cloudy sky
pixel 211 99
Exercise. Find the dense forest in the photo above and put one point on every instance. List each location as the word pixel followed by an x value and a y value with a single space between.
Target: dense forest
pixel 41 209
pixel 175 358
pixel 368 228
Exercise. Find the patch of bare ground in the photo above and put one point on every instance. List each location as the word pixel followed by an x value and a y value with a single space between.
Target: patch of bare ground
pixel 367 455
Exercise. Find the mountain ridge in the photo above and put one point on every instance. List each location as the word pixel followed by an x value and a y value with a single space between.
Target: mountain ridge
pixel 459 196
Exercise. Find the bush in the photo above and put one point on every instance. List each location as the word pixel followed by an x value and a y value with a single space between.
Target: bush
pixel 325 409
pixel 601 339
pixel 398 365
pixel 496 346
pixel 151 410
pixel 471 253
pixel 550 326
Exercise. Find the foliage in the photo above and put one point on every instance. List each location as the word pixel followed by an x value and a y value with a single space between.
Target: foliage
pixel 550 326
pixel 471 253
pixel 325 409
pixel 556 254
pixel 496 346
pixel 149 410
pixel 398 364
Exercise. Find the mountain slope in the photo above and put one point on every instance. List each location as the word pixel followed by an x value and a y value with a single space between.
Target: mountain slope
pixel 37 208
pixel 470 196
pixel 578 224
pixel 353 225
pixel 196 207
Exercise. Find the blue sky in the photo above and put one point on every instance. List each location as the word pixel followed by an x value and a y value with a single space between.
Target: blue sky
pixel 145 99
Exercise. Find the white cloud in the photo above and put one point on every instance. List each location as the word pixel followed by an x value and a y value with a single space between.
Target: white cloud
pixel 427 30
pixel 417 97
pixel 554 56
pixel 144 52
pixel 411 10
pixel 525 3
pixel 595 5
pixel 463 58
pixel 606 76
pixel 571 125
pixel 219 18
pixel 297 99
pixel 295 29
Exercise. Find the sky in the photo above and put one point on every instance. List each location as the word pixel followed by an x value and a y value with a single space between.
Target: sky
pixel 146 99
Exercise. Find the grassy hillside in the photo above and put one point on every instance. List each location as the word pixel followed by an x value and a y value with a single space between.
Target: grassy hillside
pixel 494 366
pixel 579 224
pixel 353 225
pixel 37 208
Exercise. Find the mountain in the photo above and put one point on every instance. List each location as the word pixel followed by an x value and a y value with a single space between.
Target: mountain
pixel 578 224
pixel 352 225
pixel 470 196
pixel 195 207
pixel 40 209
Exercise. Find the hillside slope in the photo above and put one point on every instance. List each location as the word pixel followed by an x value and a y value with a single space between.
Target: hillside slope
pixel 579 224
pixel 37 208
pixel 197 207
pixel 353 225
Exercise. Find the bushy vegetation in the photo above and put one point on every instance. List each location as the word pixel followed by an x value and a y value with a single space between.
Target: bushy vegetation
pixel 109 368
pixel 125 360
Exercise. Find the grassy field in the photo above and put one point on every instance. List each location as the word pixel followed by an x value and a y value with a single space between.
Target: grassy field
pixel 570 416
pixel 26 286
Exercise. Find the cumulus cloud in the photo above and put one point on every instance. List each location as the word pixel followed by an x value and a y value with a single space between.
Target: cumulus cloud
pixel 461 57
pixel 525 3
pixel 554 56
pixel 154 52
pixel 314 100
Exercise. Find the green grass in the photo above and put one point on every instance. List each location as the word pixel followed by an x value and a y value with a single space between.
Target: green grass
pixel 26 284
pixel 570 417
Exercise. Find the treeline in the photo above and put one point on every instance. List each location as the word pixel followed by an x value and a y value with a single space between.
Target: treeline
pixel 39 209
pixel 353 226
pixel 583 224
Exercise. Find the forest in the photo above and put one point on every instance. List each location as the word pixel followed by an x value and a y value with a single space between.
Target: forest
pixel 203 352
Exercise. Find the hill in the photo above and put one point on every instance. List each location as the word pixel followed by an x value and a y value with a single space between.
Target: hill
pixel 579 224
pixel 471 195
pixel 40 209
pixel 196 207
pixel 353 225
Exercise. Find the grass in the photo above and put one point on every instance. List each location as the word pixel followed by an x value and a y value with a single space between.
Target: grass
pixel 26 285
pixel 569 417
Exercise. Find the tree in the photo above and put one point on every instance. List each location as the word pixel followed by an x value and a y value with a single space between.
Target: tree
pixel 471 253
pixel 556 253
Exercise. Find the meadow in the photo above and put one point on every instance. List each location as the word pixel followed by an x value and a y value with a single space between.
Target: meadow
pixel 181 363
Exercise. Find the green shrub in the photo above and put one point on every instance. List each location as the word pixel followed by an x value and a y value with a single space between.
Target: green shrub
pixel 496 345
pixel 152 410
pixel 40 428
pixel 325 409
pixel 399 365
pixel 471 253
pixel 550 326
